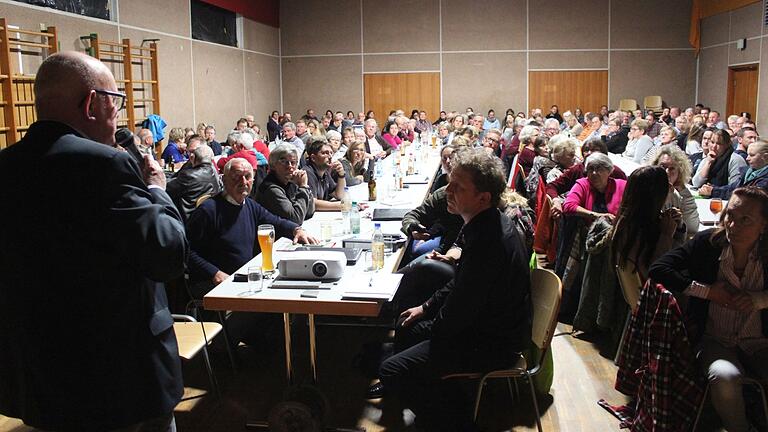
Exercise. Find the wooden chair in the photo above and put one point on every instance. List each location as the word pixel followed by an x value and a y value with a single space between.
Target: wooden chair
pixel 627 105
pixel 192 337
pixel 631 285
pixel 546 293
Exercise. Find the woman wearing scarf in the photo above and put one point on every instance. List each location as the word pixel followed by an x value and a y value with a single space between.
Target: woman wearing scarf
pixel 721 166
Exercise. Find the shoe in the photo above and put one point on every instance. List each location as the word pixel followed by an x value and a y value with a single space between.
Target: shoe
pixel 376 391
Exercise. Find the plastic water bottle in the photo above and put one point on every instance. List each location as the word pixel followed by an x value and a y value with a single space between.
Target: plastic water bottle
pixel 354 219
pixel 377 248
pixel 346 207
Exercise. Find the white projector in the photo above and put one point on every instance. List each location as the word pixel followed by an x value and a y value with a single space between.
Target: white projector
pixel 312 265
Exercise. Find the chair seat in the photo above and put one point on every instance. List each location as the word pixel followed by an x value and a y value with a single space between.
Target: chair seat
pixel 518 369
pixel 190 338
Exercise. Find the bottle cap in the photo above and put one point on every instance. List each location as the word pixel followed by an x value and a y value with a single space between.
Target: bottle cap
pixel 377 225
pixel 354 202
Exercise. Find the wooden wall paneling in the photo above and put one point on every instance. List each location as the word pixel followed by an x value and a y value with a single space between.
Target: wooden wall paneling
pixel 386 92
pixel 568 90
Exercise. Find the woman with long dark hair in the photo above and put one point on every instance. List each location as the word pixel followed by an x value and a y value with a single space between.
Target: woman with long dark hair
pixel 644 230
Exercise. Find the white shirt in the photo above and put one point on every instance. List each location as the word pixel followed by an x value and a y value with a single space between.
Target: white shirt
pixel 374 145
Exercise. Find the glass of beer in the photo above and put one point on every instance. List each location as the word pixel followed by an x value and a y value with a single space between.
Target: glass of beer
pixel 434 141
pixel 715 205
pixel 266 235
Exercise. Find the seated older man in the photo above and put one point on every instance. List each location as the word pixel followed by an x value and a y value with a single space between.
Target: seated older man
pixel 285 191
pixel 322 184
pixel 198 177
pixel 222 231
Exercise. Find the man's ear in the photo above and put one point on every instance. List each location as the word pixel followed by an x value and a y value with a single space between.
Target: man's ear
pixel 87 109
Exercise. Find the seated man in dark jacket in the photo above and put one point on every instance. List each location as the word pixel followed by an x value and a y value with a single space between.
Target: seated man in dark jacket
pixel 196 178
pixel 285 191
pixel 617 136
pixel 480 320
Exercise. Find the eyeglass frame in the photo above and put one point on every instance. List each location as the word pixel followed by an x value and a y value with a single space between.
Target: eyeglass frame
pixel 112 94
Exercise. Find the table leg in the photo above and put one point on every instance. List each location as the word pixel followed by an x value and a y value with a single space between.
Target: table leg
pixel 312 347
pixel 288 361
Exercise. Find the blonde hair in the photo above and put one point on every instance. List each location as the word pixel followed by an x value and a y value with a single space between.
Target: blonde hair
pixel 680 159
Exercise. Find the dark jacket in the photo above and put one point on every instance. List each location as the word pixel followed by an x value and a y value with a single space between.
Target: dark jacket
pixel 696 260
pixel 287 201
pixel 190 184
pixel 273 129
pixel 725 192
pixel 484 312
pixel 86 338
pixel 433 214
pixel 617 142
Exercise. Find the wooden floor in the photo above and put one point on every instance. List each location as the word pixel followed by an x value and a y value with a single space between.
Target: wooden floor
pixel 582 376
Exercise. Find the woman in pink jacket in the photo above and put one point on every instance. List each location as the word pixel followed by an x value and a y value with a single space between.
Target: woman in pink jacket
pixel 390 135
pixel 597 194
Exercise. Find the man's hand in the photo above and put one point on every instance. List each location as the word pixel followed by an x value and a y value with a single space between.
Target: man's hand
pixel 437 256
pixel 301 237
pixel 338 167
pixel 381 155
pixel 409 316
pixel 705 190
pixel 299 177
pixel 219 277
pixel 153 174
pixel 421 233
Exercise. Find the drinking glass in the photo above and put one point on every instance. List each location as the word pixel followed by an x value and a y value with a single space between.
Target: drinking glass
pixel 266 234
pixel 326 231
pixel 255 279
pixel 715 205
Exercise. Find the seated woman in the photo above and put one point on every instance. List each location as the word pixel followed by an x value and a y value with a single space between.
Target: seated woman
pixel 443 132
pixel 667 135
pixel 721 166
pixel 542 163
pixel 678 169
pixel 693 143
pixel 314 129
pixel 724 273
pixel 354 163
pixel 755 174
pixel 644 230
pixel 390 135
pixel 334 140
pixel 175 151
pixel 597 194
pixel 706 137
pixel 639 143
pixel 563 153
pixel 445 168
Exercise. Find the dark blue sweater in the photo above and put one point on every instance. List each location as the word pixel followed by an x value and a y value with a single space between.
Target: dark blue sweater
pixel 223 236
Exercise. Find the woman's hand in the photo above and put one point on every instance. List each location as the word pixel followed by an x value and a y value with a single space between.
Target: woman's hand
pixel 705 190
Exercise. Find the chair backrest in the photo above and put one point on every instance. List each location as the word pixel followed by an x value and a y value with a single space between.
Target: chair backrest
pixel 546 292
pixel 631 285
pixel 652 102
pixel 627 105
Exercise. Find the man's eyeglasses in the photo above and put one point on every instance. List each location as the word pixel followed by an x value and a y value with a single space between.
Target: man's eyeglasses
pixel 118 99
pixel 288 162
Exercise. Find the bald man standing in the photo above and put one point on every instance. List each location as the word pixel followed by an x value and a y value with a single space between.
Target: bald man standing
pixel 86 239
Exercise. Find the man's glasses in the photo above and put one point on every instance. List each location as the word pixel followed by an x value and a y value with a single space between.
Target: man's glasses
pixel 118 99
pixel 288 162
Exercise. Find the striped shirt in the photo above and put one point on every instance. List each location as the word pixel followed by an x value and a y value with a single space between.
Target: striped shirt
pixel 732 327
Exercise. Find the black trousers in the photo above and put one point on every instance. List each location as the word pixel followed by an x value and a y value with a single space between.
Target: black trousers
pixel 421 278
pixel 413 375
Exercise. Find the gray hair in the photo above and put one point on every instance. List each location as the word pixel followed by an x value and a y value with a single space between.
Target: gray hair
pixel 280 152
pixel 372 121
pixel 228 165
pixel 289 125
pixel 253 133
pixel 598 160
pixel 331 134
pixel 560 144
pixel 203 154
pixel 551 122
pixel 243 138
pixel 486 171
pixel 528 132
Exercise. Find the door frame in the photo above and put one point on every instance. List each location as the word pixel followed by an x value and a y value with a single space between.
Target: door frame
pixel 729 87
